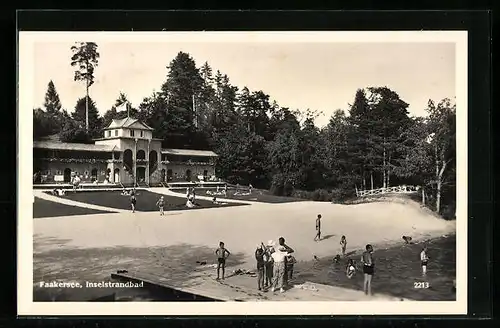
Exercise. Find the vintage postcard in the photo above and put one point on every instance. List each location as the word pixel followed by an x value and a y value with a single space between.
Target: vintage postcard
pixel 242 173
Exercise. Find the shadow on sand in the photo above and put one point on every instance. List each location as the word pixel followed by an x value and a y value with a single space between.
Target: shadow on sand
pixel 54 260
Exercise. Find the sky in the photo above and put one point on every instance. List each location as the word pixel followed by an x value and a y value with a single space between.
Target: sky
pixel 319 76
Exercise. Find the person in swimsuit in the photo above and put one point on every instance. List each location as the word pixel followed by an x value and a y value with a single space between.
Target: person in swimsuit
pixel 368 269
pixel 222 254
pixel 318 228
pixel 259 257
pixel 133 200
pixel 343 245
pixel 161 203
pixel 424 259
pixel 350 269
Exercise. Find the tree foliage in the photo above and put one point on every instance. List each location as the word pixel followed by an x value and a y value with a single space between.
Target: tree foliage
pixel 373 143
pixel 85 57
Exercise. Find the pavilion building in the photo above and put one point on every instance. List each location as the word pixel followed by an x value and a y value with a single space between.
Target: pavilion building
pixel 127 154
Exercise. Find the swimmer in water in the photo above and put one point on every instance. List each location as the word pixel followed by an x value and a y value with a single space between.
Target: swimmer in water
pixel 424 260
pixel 350 269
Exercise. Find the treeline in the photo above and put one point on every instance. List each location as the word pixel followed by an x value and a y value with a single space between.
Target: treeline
pixel 374 143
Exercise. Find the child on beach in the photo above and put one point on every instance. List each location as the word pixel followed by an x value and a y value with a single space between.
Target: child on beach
pixel 424 259
pixel 222 254
pixel 259 257
pixel 350 269
pixel 368 269
pixel 161 203
pixel 318 228
pixel 343 245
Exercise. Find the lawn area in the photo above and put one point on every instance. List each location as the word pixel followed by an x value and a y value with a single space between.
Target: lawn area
pixel 45 208
pixel 260 196
pixel 146 200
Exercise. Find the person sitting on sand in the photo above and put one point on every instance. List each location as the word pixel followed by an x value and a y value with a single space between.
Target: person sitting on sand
pixel 368 269
pixel 259 257
pixel 350 269
pixel 215 201
pixel 161 203
pixel 407 239
pixel 343 245
pixel 190 204
pixel 222 254
pixel 424 259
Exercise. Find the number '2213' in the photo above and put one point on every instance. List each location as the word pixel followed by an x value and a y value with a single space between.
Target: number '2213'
pixel 421 284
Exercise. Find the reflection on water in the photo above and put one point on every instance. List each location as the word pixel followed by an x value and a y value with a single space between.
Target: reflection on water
pixel 397 269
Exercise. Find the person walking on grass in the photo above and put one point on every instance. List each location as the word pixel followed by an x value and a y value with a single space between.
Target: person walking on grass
pixel 368 269
pixel 259 257
pixel 318 228
pixel 161 204
pixel 133 200
pixel 343 245
pixel 222 254
pixel 424 259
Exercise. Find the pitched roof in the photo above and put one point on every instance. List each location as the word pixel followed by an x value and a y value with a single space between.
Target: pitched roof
pixel 128 122
pixel 189 152
pixel 72 146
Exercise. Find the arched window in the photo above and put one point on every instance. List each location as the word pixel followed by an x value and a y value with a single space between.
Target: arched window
pixel 141 154
pixel 127 159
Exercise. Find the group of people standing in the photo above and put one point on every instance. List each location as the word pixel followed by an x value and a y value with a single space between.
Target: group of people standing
pixel 274 265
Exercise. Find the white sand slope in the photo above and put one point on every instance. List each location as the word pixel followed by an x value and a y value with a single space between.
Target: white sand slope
pixel 241 228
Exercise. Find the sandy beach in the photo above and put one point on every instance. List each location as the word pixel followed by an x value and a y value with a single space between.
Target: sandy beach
pixel 180 238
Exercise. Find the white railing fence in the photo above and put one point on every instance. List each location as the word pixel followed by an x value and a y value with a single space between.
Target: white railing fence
pixel 403 189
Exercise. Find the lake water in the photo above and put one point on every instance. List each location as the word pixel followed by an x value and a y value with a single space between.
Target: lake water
pixel 397 271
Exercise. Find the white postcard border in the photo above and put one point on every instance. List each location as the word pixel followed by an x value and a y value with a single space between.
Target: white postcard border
pixel 26 306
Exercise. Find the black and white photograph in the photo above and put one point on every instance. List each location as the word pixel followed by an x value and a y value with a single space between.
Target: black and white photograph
pixel 188 172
